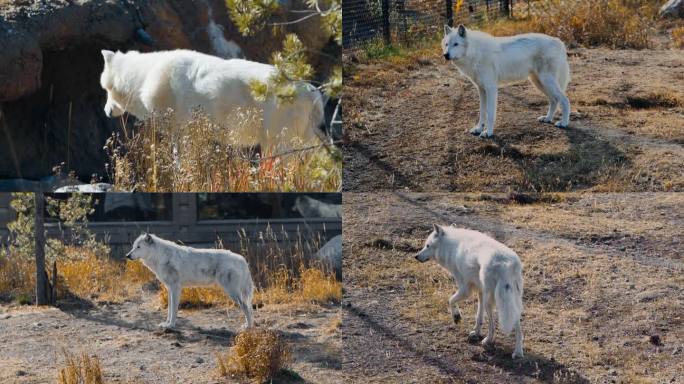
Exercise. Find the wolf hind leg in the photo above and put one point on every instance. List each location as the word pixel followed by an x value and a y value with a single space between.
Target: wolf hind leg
pixel 551 83
pixel 232 289
pixel 553 101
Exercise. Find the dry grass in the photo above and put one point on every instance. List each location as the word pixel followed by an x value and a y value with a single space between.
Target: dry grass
pixel 80 369
pixel 310 286
pixel 258 355
pixel 17 279
pixel 612 23
pixel 678 37
pixel 208 159
pixel 85 275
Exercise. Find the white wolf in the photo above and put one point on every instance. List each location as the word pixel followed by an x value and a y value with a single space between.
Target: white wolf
pixel 177 266
pixel 488 61
pixel 144 83
pixel 486 266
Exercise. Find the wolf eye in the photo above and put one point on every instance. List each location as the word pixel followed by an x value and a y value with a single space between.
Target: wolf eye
pixel 138 246
pixel 428 246
pixel 455 44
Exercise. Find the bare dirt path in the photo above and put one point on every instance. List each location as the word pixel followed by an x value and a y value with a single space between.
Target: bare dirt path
pixel 131 348
pixel 603 276
pixel 406 126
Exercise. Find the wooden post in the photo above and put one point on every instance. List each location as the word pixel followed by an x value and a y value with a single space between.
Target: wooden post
pixel 450 12
pixel 42 293
pixel 386 21
pixel 505 7
pixel 53 284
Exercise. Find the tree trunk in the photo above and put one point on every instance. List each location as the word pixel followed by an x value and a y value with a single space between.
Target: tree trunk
pixel 42 292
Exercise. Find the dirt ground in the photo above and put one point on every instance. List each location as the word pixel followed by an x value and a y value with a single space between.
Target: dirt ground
pixel 602 298
pixel 406 123
pixel 132 350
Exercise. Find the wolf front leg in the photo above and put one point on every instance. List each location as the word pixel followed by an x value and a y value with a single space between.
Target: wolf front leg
pixel 476 130
pixel 173 301
pixel 492 94
pixel 460 295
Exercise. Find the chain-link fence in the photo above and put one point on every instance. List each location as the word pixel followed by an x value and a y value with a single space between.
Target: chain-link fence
pixel 410 20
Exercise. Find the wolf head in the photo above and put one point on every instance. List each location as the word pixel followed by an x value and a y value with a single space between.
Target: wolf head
pixel 114 106
pixel 454 42
pixel 431 244
pixel 143 246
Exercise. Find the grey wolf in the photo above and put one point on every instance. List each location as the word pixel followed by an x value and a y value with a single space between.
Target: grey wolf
pixel 481 264
pixel 178 266
pixel 182 80
pixel 489 61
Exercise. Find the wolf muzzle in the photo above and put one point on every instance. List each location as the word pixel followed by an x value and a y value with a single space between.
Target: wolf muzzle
pixel 128 255
pixel 446 57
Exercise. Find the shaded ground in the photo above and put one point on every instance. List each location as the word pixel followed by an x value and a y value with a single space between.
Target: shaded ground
pixel 602 302
pixel 406 123
pixel 131 349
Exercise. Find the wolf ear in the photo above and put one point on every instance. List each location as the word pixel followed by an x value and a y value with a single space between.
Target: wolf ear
pixel 107 55
pixel 447 29
pixel 461 30
pixel 148 238
pixel 438 229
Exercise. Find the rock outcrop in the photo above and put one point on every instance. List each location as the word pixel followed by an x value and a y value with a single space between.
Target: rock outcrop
pixel 673 8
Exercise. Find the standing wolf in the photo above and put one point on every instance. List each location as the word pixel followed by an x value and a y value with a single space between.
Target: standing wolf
pixel 488 61
pixel 177 266
pixel 144 83
pixel 480 263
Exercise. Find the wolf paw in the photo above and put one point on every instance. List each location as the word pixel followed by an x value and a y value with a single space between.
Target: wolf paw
pixel 165 325
pixel 485 135
pixel 518 354
pixel 560 125
pixel 474 337
pixel 476 130
pixel 544 119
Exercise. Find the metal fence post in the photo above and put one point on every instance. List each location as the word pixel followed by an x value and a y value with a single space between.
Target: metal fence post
pixel 386 21
pixel 450 12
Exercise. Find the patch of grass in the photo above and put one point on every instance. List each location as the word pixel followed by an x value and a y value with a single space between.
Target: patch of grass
pixel 80 369
pixel 399 54
pixel 662 98
pixel 209 158
pixel 311 286
pixel 88 276
pixel 259 355
pixel 678 37
pixel 17 279
pixel 318 287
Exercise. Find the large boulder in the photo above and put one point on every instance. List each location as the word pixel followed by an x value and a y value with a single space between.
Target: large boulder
pixel 673 8
pixel 50 97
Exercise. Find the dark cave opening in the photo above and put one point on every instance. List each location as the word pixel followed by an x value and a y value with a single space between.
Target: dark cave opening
pixel 63 122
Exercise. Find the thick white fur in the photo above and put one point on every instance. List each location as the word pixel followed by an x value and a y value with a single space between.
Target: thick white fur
pixel 489 61
pixel 144 83
pixel 481 264
pixel 177 266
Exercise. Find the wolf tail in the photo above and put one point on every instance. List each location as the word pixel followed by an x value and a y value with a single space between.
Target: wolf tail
pixel 247 290
pixel 508 297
